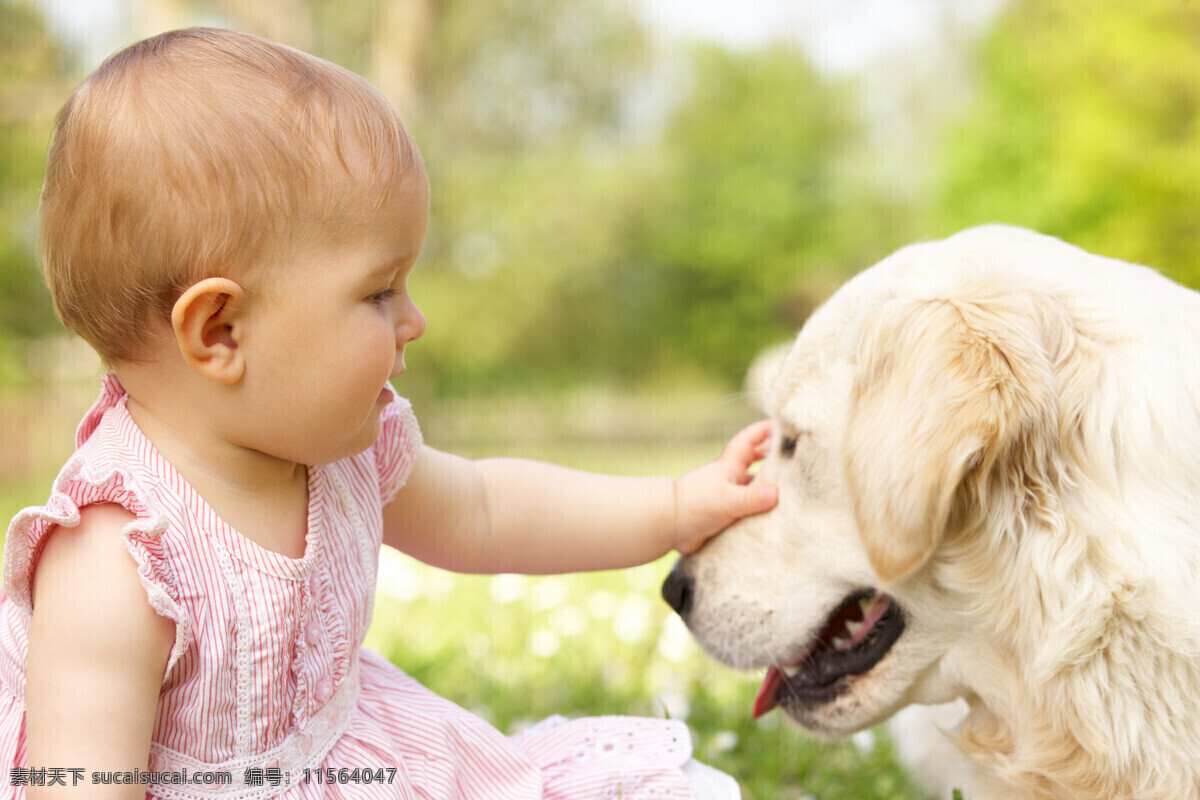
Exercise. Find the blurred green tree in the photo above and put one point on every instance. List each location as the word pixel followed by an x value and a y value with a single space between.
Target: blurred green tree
pixel 512 77
pixel 1087 126
pixel 505 76
pixel 32 69
pixel 730 216
pixel 566 245
pixel 520 113
pixel 679 258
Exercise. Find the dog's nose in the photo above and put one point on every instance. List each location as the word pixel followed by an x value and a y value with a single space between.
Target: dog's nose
pixel 677 591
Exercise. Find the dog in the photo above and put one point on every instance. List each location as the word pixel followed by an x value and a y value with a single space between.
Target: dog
pixel 988 456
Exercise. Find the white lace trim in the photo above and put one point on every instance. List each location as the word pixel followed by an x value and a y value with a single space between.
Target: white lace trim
pixel 245 670
pixel 28 529
pixel 302 750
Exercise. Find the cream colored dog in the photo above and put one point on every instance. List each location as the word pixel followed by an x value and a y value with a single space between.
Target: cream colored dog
pixel 988 454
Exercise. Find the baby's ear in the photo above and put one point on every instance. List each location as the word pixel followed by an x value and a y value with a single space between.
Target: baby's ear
pixel 207 324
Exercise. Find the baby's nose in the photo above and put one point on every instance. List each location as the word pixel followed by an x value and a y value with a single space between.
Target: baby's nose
pixel 411 325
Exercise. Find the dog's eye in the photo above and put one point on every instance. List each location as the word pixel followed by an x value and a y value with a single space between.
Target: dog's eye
pixel 791 438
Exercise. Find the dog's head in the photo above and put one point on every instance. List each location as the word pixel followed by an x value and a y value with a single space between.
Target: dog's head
pixel 916 420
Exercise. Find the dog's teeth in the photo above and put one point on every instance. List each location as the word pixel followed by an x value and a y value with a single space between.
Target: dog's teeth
pixel 852 626
pixel 838 642
pixel 866 604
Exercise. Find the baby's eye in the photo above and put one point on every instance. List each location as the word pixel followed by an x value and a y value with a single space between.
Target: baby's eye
pixel 379 297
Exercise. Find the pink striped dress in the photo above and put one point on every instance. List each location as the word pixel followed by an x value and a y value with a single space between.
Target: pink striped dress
pixel 268 692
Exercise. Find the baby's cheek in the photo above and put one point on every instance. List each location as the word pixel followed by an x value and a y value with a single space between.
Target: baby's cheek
pixel 373 356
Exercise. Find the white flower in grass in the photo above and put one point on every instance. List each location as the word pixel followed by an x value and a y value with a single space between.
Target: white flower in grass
pixel 569 621
pixel 602 603
pixel 675 643
pixel 398 580
pixel 633 619
pixel 864 742
pixel 722 742
pixel 549 593
pixel 674 704
pixel 506 589
pixel 643 578
pixel 439 585
pixel 544 643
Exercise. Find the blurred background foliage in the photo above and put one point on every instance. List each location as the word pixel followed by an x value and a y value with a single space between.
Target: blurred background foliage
pixel 34 67
pixel 622 220
pixel 614 210
pixel 1086 125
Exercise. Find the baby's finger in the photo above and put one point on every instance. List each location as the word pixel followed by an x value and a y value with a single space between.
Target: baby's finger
pixel 756 498
pixel 744 446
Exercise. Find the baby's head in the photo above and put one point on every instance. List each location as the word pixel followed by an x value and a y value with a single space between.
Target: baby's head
pixel 202 153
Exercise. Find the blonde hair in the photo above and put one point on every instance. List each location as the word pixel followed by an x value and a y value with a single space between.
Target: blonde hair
pixel 198 153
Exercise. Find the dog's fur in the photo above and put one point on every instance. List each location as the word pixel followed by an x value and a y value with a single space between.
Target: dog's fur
pixel 1001 432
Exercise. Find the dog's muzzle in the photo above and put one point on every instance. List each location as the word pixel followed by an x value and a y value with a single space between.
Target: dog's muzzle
pixel 678 590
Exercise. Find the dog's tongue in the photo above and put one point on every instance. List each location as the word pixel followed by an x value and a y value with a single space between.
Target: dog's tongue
pixel 768 693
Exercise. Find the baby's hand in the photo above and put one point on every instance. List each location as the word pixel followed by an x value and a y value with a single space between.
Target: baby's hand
pixel 710 498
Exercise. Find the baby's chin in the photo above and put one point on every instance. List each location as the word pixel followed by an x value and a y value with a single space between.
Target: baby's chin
pixel 353 443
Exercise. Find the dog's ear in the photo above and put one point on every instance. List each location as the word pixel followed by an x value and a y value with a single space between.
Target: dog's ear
pixel 760 378
pixel 951 399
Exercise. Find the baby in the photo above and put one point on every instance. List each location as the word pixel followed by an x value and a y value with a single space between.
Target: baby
pixel 231 224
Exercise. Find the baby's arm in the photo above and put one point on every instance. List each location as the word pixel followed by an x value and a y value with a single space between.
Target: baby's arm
pixel 512 515
pixel 97 654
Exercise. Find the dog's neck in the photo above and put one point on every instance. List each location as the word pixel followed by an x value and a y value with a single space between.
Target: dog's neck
pixel 1074 675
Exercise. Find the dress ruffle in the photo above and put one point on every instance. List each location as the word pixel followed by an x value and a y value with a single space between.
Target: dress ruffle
pixel 112 393
pixel 397 447
pixel 84 481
